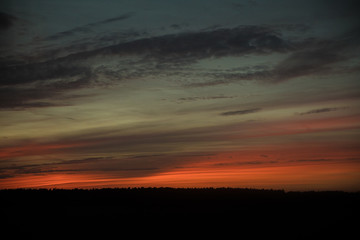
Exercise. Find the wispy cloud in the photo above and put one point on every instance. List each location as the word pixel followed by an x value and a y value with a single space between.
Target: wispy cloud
pixel 87 28
pixel 320 110
pixel 240 112
pixel 153 56
pixel 115 19
pixel 173 55
pixel 313 160
pixel 226 164
pixel 191 99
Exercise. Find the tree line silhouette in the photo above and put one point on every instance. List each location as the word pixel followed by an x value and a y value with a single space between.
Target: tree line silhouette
pixel 255 211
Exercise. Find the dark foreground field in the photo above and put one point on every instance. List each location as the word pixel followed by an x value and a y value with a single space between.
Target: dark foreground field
pixel 225 212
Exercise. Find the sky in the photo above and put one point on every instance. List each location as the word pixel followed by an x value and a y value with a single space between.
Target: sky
pixel 170 93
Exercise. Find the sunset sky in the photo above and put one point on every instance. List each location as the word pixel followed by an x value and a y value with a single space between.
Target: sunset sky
pixel 180 93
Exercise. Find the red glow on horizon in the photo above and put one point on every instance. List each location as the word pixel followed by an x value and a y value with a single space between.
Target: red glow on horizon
pixel 293 163
pixel 291 176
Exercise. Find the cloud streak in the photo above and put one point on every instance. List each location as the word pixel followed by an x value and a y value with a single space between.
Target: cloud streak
pixel 87 28
pixel 153 56
pixel 320 110
pixel 240 112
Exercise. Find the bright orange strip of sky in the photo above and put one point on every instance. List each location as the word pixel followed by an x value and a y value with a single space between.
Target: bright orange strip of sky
pixel 314 176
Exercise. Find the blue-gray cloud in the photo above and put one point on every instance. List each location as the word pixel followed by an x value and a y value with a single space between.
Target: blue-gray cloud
pixel 175 52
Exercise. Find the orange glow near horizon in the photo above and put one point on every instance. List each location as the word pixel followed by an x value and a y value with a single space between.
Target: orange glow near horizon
pixel 290 157
pixel 314 176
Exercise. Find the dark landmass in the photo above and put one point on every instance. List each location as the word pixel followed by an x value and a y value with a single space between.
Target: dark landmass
pixel 175 212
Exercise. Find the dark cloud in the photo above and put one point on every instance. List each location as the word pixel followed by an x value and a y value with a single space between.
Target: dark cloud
pixel 169 55
pixel 88 27
pixel 207 83
pixel 168 50
pixel 244 163
pixel 156 56
pixel 6 20
pixel 116 37
pixel 12 97
pixel 175 26
pixel 15 93
pixel 305 63
pixel 230 77
pixel 5 175
pixel 191 99
pixel 241 112
pixel 121 167
pixel 321 110
pixel 23 106
pixel 17 98
pixel 68 33
pixel 61 68
pixel 175 50
pixel 313 160
pixel 292 27
pixel 65 166
pixel 126 166
pixel 307 57
pixel 84 160
pixel 79 44
pixel 115 19
pixel 198 45
pixel 318 56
